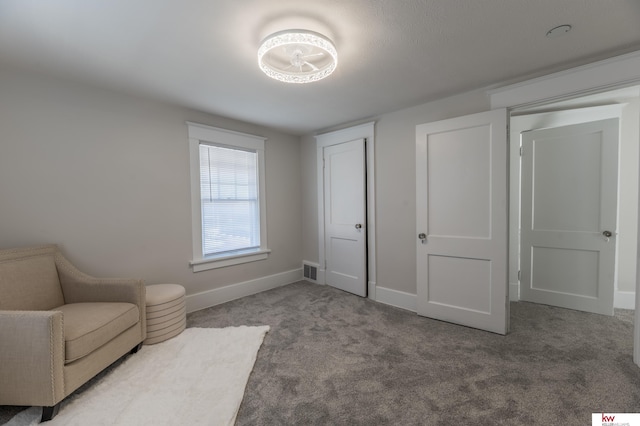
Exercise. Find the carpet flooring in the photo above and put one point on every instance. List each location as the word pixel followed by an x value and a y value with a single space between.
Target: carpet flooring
pixel 332 358
pixel 336 359
pixel 197 378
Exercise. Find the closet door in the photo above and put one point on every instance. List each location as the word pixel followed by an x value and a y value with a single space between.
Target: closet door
pixel 461 229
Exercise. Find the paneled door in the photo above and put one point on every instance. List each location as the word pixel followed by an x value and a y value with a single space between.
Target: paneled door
pixel 345 216
pixel 569 215
pixel 461 226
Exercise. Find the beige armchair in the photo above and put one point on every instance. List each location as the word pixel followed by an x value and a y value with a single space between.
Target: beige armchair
pixel 60 327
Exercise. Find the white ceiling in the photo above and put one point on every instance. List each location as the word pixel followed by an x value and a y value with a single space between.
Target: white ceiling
pixel 392 53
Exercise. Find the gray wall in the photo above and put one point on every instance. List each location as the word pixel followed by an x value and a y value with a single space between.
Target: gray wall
pixel 395 141
pixel 628 197
pixel 106 176
pixel 395 190
pixel 309 179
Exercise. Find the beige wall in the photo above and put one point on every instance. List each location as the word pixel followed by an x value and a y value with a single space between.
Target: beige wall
pixel 106 176
pixel 628 197
pixel 395 187
pixel 309 179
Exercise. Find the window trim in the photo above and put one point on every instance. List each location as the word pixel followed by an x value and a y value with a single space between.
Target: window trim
pixel 201 133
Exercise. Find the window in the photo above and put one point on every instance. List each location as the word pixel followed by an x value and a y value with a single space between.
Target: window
pixel 228 209
pixel 229 197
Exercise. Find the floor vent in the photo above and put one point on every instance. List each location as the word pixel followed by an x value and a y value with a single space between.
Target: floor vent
pixel 310 272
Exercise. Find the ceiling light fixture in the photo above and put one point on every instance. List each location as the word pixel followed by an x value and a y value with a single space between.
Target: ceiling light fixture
pixel 297 56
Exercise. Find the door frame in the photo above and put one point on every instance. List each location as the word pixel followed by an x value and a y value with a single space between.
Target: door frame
pixel 362 131
pixel 345 215
pixel 583 240
pixel 533 121
pixel 618 72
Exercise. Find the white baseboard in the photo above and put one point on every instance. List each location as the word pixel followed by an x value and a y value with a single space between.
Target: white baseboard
pixel 621 299
pixel 407 301
pixel 320 279
pixel 514 292
pixel 624 299
pixel 206 299
pixel 396 298
pixel 400 299
pixel 371 290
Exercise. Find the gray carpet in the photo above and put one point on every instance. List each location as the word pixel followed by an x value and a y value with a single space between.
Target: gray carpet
pixel 336 359
pixel 333 358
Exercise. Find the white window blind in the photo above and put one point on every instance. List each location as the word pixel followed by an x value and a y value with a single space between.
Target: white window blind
pixel 229 200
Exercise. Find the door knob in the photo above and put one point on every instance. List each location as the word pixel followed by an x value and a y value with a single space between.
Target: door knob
pixel 422 236
pixel 607 234
pixel 358 226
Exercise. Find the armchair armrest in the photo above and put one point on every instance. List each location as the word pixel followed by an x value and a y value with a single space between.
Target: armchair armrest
pixel 31 358
pixel 79 287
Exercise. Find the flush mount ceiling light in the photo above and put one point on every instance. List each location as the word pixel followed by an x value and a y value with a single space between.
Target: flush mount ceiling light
pixel 297 56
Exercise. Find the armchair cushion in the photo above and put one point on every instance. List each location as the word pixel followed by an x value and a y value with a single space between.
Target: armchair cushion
pixel 59 327
pixel 87 326
pixel 39 287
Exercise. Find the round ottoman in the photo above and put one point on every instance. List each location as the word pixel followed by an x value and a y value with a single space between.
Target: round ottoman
pixel 166 312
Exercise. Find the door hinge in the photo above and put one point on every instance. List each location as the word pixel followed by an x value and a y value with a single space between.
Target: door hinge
pixel 518 275
pixel 521 150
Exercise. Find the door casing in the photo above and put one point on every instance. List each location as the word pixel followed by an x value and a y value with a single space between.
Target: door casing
pixel 618 72
pixel 365 131
pixel 552 158
pixel 345 216
pixel 530 121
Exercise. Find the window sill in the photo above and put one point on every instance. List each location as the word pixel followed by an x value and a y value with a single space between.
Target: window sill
pixel 199 265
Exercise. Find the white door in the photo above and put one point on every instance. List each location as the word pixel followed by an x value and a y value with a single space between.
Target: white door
pixel 569 209
pixel 461 190
pixel 345 216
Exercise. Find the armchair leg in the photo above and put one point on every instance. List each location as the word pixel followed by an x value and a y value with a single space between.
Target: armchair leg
pixel 49 413
pixel 136 348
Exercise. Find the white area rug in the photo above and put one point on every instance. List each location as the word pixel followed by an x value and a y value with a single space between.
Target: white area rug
pixel 196 378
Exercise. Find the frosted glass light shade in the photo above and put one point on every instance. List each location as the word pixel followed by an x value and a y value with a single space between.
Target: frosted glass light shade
pixel 297 56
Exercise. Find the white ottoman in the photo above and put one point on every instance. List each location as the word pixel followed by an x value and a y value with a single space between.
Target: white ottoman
pixel 166 312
